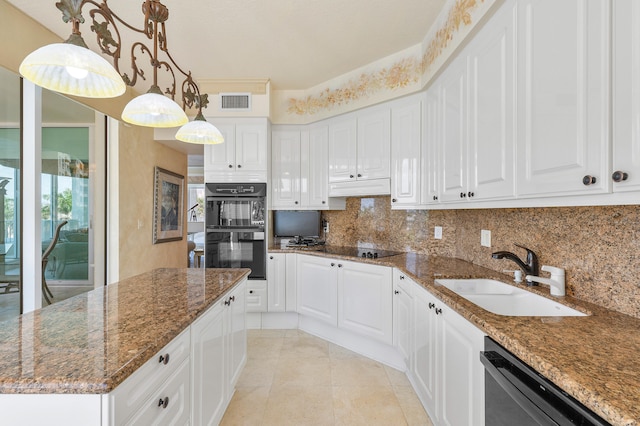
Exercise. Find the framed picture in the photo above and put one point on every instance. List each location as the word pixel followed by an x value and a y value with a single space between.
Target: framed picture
pixel 168 206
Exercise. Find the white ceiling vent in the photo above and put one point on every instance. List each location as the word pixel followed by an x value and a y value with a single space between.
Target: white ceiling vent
pixel 235 101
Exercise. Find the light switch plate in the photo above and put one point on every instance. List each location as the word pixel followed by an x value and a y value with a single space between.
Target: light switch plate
pixel 437 232
pixel 485 238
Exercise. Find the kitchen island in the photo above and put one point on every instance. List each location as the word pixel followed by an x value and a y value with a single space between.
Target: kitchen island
pixel 595 358
pixel 91 343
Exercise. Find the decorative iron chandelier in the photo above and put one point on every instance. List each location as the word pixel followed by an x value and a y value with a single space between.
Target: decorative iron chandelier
pixel 72 68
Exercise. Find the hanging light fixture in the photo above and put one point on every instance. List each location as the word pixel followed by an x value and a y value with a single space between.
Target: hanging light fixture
pixel 70 67
pixel 199 131
pixel 156 108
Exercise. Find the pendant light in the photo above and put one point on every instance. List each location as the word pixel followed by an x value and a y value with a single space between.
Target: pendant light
pixel 199 131
pixel 153 109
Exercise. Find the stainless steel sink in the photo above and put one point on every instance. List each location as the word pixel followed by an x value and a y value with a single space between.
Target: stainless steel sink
pixel 504 299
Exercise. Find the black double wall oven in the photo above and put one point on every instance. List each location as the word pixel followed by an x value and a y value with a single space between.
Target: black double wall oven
pixel 235 219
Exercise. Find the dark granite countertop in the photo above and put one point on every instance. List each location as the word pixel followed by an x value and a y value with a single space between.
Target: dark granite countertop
pixel 92 342
pixel 596 358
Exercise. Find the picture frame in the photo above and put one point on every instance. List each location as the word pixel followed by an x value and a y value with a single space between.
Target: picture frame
pixel 168 219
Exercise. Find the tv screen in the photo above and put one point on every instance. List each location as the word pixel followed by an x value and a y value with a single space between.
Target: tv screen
pixel 296 223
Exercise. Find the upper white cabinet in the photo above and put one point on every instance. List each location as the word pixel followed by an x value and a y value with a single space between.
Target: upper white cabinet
pixel 406 140
pixel 475 118
pixel 299 169
pixel 429 161
pixel 359 151
pixel 563 96
pixel 243 157
pixel 626 94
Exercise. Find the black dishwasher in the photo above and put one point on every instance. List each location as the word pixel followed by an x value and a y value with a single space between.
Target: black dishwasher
pixel 515 394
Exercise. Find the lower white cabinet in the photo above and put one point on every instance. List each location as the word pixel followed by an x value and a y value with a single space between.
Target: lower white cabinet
pixel 403 316
pixel 219 351
pixel 257 295
pixel 276 282
pixel 446 370
pixel 317 288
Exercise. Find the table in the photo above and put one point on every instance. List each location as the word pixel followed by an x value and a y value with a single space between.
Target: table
pixel 197 254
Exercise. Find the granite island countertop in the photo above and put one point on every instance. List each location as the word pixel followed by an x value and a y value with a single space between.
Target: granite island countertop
pixel 92 342
pixel 596 358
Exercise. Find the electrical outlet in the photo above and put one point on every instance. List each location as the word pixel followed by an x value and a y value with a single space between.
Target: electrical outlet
pixel 485 238
pixel 140 223
pixel 326 227
pixel 437 232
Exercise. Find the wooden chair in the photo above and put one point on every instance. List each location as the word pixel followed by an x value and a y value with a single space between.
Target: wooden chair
pixel 45 259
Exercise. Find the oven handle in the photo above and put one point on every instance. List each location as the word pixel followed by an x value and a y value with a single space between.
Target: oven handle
pixel 527 405
pixel 227 230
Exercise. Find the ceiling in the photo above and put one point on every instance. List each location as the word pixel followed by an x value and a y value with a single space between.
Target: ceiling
pixel 296 44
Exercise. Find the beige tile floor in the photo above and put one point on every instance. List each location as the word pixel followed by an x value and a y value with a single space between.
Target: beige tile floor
pixel 293 378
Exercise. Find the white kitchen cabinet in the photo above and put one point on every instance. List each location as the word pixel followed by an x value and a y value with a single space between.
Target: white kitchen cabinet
pixel 257 295
pixel 359 153
pixel 365 302
pixel 218 354
pixel 563 82
pixel 446 371
pixel 476 117
pixel 317 288
pixel 626 96
pixel 406 140
pixel 160 377
pixel 243 157
pixel 430 160
pixel 299 169
pixel 403 321
pixel 276 282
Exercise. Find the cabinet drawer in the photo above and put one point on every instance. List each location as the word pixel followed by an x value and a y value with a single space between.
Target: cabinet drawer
pixel 169 404
pixel 256 296
pixel 129 396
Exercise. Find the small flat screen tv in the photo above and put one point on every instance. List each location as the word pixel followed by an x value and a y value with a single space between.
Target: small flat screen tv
pixel 296 223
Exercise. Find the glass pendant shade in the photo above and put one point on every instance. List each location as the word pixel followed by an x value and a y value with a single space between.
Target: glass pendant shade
pixel 199 131
pixel 73 70
pixel 154 109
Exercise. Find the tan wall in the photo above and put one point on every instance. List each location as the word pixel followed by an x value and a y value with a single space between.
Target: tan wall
pixel 139 155
pixel 598 246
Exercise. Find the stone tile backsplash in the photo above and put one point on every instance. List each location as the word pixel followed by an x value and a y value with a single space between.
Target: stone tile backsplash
pixel 598 246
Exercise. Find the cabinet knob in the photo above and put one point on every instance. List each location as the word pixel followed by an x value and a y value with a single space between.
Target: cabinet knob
pixel 239 166
pixel 250 291
pixel 471 194
pixel 163 402
pixel 463 195
pixel 435 198
pixel 619 176
pixel 271 257
pixel 588 180
pixel 351 176
pixel 232 298
pixel 333 264
pixel 393 200
pixel 231 166
pixel 396 292
pixel 339 265
pixel 164 359
pixel 431 305
pixel 324 202
pixel 359 175
pixel 438 311
pixel 402 277
pixel 227 302
pixel 295 202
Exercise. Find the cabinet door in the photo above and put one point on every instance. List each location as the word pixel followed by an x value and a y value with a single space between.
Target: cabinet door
pixel 251 147
pixel 403 316
pixel 563 96
pixel 626 95
pixel 425 350
pixel 276 282
pixel 405 154
pixel 365 303
pixel 453 136
pixel 316 186
pixel 221 157
pixel 209 378
pixel 461 390
pixel 317 290
pixel 342 150
pixel 374 144
pixel 430 157
pixel 237 335
pixel 491 119
pixel 285 169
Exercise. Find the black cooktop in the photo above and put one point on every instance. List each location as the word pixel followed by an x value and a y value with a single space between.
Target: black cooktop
pixel 367 253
